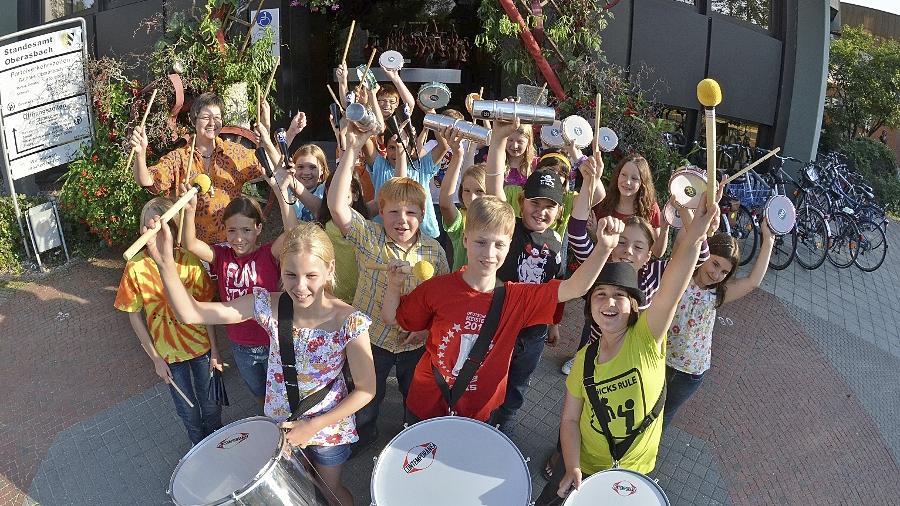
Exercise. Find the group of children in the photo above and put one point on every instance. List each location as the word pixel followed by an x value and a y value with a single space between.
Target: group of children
pixel 333 297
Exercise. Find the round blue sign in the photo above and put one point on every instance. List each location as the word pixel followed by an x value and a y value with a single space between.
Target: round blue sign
pixel 264 18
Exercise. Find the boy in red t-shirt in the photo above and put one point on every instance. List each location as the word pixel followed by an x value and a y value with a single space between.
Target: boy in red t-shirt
pixel 453 307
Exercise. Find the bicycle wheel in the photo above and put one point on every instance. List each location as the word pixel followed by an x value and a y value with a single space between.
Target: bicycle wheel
pixel 872 246
pixel 812 238
pixel 842 247
pixel 784 250
pixel 741 225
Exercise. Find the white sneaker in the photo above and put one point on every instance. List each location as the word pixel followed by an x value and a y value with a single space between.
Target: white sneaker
pixel 567 366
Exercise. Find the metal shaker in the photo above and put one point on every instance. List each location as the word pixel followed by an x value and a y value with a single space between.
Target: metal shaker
pixel 509 111
pixel 361 116
pixel 467 130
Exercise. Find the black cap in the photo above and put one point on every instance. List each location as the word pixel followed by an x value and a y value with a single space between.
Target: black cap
pixel 622 275
pixel 545 184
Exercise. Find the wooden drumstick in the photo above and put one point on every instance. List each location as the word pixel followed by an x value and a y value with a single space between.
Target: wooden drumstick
pixel 201 185
pixel 540 94
pixel 349 38
pixel 481 92
pixel 747 168
pixel 258 103
pixel 175 385
pixel 710 95
pixel 423 269
pixel 333 96
pixel 271 78
pixel 597 123
pixel 190 169
pixel 368 66
pixel 143 122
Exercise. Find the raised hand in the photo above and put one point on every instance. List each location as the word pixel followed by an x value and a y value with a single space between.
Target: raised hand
pixel 160 247
pixel 608 230
pixel 139 141
pixel 298 123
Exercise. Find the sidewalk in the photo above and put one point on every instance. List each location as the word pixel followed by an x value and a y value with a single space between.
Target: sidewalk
pixel 800 405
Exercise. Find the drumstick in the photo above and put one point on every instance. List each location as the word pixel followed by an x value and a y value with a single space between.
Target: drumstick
pixel 143 122
pixel 540 94
pixel 597 123
pixel 271 77
pixel 710 95
pixel 481 92
pixel 368 66
pixel 349 38
pixel 175 385
pixel 423 269
pixel 188 178
pixel 258 104
pixel 747 168
pixel 333 96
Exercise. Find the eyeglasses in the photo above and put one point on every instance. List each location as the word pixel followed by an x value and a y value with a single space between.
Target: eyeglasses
pixel 218 119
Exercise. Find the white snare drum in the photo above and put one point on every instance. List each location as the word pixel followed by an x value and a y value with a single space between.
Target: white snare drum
pixel 608 139
pixel 368 80
pixel 686 186
pixel 451 461
pixel 673 217
pixel 242 463
pixel 577 131
pixel 391 60
pixel 434 95
pixel 617 486
pixel 780 214
pixel 551 135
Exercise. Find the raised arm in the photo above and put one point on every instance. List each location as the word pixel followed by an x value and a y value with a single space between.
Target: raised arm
pixel 740 287
pixel 298 123
pixel 186 308
pixel 288 216
pixel 189 234
pixel 339 193
pixel 608 230
pixel 139 144
pixel 405 95
pixel 437 154
pixel 451 177
pixel 579 240
pixel 340 73
pixel 679 270
pixel 496 159
pixel 661 241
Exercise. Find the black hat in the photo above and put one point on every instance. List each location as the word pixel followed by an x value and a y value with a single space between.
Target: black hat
pixel 545 184
pixel 623 275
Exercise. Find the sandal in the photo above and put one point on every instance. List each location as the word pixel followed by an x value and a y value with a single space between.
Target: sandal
pixel 548 466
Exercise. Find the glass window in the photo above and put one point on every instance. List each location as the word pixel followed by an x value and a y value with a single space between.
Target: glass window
pixel 55 9
pixel 753 11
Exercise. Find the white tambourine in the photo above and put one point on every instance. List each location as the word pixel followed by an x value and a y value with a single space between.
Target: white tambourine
pixel 607 139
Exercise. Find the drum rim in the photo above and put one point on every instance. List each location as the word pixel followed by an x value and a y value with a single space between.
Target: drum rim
pixel 426 87
pixel 675 174
pixel 252 484
pixel 669 205
pixel 445 418
pixel 575 118
pixel 393 67
pixel 600 132
pixel 769 222
pixel 550 129
pixel 642 476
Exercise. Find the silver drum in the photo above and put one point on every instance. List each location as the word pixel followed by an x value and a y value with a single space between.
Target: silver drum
pixel 243 463
pixel 509 111
pixel 467 130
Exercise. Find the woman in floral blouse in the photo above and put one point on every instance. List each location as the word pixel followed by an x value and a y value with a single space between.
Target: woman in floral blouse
pixel 689 343
pixel 326 333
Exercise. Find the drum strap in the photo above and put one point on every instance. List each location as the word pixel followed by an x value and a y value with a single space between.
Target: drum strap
pixel 289 363
pixel 619 450
pixel 476 355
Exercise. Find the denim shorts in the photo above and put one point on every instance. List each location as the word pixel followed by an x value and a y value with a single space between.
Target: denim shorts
pixel 328 455
pixel 252 362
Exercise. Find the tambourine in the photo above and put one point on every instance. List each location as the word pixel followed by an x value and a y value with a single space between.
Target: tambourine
pixel 391 60
pixel 368 80
pixel 607 139
pixel 672 216
pixel 577 131
pixel 434 95
pixel 781 215
pixel 686 186
pixel 552 136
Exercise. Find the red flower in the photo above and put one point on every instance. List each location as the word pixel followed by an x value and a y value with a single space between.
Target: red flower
pixel 84 172
pixel 93 158
pixel 333 439
pixel 279 378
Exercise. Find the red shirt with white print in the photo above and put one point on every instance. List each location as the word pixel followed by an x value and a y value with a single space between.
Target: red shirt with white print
pixel 237 277
pixel 453 313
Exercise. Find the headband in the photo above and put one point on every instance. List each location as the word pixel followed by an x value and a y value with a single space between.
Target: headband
pixel 558 156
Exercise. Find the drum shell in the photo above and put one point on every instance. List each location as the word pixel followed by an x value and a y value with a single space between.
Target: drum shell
pixel 607 139
pixel 391 60
pixel 688 201
pixel 434 95
pixel 577 131
pixel 361 116
pixel 467 130
pixel 790 215
pixel 283 481
pixel 609 495
pixel 509 111
pixel 670 212
pixel 551 135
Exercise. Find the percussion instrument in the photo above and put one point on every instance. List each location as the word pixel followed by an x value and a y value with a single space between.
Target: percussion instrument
pixel 244 462
pixel 361 116
pixel 467 130
pixel 509 111
pixel 391 60
pixel 686 186
pixel 552 136
pixel 577 131
pixel 673 217
pixel 451 461
pixel 607 139
pixel 434 95
pixel 367 79
pixel 617 486
pixel 780 214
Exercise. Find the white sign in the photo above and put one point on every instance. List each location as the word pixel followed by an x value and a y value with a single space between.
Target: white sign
pixel 268 18
pixel 44 101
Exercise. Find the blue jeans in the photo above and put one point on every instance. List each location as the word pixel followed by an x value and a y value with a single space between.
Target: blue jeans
pixel 405 362
pixel 526 355
pixel 252 362
pixel 192 377
pixel 680 386
pixel 327 455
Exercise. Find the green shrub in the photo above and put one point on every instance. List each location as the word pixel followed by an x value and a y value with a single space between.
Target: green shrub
pixel 877 163
pixel 12 253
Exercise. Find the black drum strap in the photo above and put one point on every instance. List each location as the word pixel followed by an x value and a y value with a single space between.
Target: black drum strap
pixel 476 355
pixel 619 450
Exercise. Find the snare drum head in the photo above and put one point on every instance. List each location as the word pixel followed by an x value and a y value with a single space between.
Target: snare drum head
pixel 551 135
pixel 227 461
pixel 391 60
pixel 434 95
pixel 686 186
pixel 673 217
pixel 577 131
pixel 780 214
pixel 369 80
pixel 608 139
pixel 451 461
pixel 617 486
